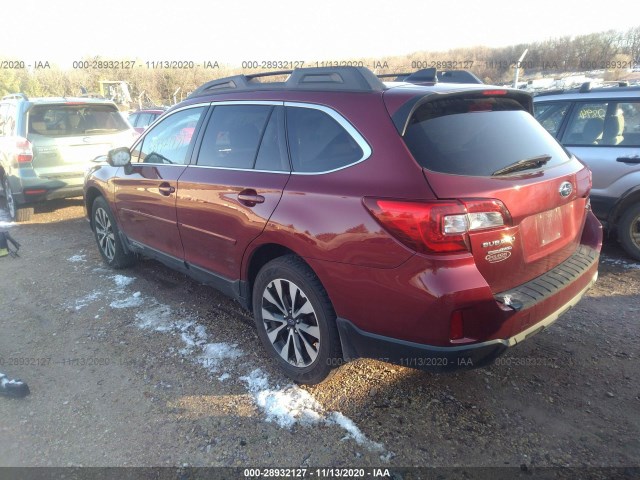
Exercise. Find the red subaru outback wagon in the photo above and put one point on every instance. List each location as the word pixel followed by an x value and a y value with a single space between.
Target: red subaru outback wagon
pixel 430 225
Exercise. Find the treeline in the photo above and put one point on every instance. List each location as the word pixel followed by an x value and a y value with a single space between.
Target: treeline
pixel 159 83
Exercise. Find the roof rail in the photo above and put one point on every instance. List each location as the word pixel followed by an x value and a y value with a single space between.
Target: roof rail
pixel 21 96
pixel 429 75
pixel 321 78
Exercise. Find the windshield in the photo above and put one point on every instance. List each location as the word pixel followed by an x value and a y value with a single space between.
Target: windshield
pixel 478 137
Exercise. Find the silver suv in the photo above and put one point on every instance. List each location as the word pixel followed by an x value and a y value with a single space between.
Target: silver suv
pixel 47 143
pixel 601 126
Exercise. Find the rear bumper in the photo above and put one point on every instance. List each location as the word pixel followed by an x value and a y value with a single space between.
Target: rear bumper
pixel 357 343
pixel 37 189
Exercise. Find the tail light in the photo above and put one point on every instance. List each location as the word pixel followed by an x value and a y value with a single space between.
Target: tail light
pixel 437 226
pixel 24 152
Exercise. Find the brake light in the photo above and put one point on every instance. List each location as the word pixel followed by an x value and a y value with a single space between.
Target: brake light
pixel 24 152
pixel 491 93
pixel 437 226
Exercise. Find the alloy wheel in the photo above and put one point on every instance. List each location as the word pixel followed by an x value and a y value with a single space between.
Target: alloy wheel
pixel 290 322
pixel 104 233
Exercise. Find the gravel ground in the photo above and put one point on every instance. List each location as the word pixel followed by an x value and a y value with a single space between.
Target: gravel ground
pixel 150 368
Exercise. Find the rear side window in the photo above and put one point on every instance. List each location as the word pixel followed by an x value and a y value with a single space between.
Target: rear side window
pixel 477 136
pixel 232 136
pixel 550 115
pixel 586 124
pixel 609 124
pixel 318 143
pixel 69 120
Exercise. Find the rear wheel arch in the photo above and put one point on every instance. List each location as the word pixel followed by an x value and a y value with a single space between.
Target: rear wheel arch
pixel 258 259
pixel 627 202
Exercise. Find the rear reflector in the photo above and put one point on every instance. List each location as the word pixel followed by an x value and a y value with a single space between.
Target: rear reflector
pixel 437 226
pixel 456 327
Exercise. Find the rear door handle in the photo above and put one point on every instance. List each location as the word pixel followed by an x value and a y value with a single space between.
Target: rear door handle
pixel 165 189
pixel 250 197
pixel 634 159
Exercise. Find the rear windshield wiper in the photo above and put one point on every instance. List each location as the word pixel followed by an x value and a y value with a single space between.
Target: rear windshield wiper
pixel 526 164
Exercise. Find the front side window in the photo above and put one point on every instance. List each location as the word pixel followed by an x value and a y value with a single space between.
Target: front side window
pixel 550 115
pixel 318 143
pixel 232 136
pixel 629 113
pixel 170 140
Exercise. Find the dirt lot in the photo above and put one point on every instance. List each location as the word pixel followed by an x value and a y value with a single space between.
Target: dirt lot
pixel 145 367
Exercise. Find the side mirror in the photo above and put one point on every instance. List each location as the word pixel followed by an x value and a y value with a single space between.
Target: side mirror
pixel 119 157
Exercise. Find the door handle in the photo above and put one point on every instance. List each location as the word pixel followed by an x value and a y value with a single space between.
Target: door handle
pixel 166 189
pixel 250 197
pixel 634 159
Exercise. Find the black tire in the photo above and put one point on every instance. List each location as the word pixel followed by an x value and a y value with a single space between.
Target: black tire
pixel 629 231
pixel 17 214
pixel 312 351
pixel 105 230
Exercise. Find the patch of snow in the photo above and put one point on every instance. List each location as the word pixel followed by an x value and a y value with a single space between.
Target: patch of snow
pixel 285 406
pixel 215 355
pixel 354 432
pixel 122 280
pixel 291 404
pixel 77 258
pixel 628 264
pixel 158 318
pixel 87 299
pixel 134 300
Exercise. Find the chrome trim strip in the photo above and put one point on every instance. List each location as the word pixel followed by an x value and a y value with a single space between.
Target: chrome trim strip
pixel 542 324
pixel 213 234
pixel 344 123
pixel 287 172
pixel 247 102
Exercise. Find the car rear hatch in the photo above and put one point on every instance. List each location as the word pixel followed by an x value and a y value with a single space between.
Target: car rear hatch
pixel 510 194
pixel 66 136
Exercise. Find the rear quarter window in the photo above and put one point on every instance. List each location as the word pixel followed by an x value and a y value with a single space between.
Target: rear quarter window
pixel 319 143
pixel 477 136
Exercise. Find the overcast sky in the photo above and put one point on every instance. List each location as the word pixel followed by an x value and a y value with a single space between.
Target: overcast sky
pixel 233 31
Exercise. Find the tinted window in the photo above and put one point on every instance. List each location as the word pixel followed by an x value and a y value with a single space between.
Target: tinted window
pixel 169 141
pixel 604 123
pixel 477 137
pixel 586 124
pixel 133 118
pixel 272 155
pixel 630 112
pixel 232 136
pixel 145 120
pixel 318 143
pixel 550 115
pixel 69 120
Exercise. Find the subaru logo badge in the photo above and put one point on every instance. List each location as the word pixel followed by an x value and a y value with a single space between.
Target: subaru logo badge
pixel 565 189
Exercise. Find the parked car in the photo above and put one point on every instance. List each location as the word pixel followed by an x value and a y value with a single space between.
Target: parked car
pixel 141 119
pixel 46 145
pixel 601 126
pixel 432 226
